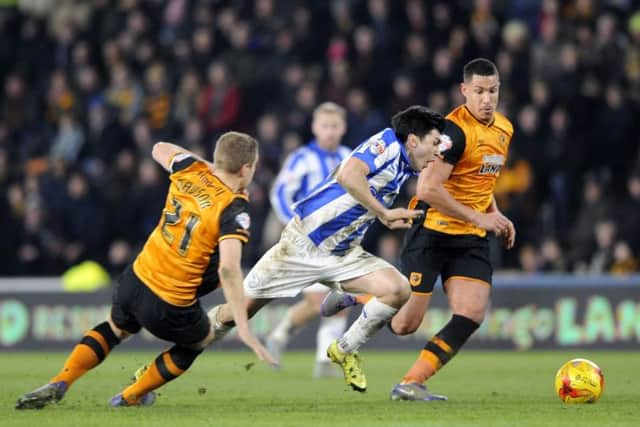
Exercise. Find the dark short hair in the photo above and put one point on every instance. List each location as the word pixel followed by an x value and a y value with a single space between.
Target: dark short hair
pixel 480 67
pixel 234 149
pixel 418 120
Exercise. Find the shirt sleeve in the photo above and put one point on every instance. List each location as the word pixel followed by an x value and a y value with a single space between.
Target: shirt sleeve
pixel 378 150
pixel 289 186
pixel 181 161
pixel 453 143
pixel 235 221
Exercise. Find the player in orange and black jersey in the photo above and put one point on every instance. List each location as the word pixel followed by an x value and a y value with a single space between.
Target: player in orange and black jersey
pixel 196 246
pixel 457 193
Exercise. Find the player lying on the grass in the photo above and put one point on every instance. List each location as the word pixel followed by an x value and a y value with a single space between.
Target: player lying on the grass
pixel 196 247
pixel 321 244
pixel 452 239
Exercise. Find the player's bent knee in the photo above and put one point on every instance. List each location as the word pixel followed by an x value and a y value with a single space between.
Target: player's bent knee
pixel 119 333
pixel 394 295
pixel 404 327
pixel 400 292
pixel 475 315
pixel 206 341
pixel 313 302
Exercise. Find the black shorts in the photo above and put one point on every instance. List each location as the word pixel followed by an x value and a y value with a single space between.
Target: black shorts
pixel 428 253
pixel 135 306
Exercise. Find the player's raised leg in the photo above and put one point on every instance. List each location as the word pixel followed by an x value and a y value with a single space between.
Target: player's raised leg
pixel 92 349
pixel 337 300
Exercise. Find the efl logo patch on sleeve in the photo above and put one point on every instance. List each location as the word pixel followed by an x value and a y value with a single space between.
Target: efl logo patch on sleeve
pixel 377 146
pixel 415 279
pixel 244 220
pixel 445 143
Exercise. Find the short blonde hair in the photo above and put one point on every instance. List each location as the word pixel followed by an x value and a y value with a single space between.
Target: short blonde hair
pixel 330 108
pixel 234 149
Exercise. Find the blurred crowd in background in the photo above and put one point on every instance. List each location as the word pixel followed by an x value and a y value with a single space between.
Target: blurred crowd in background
pixel 89 86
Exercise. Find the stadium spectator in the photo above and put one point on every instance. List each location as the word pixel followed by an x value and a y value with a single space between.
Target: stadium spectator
pixel 624 261
pixel 602 258
pixel 594 208
pixel 87 81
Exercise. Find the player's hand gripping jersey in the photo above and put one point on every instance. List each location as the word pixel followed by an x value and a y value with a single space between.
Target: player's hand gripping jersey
pixel 200 211
pixel 478 153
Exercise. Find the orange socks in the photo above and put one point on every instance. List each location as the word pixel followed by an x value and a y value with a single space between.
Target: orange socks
pixel 441 348
pixel 423 368
pixel 166 367
pixel 88 353
pixel 151 379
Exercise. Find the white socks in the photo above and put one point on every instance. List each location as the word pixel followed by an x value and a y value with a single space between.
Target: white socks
pixel 283 329
pixel 219 329
pixel 374 316
pixel 330 329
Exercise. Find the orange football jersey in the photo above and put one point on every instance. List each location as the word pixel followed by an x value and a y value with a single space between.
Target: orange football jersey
pixel 179 261
pixel 478 153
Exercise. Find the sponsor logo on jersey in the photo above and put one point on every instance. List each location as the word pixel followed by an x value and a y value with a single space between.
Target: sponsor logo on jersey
pixel 244 220
pixel 491 164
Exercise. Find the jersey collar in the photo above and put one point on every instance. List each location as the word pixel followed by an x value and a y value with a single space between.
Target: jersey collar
pixel 478 121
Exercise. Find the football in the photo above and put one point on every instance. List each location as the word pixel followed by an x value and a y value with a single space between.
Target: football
pixel 579 381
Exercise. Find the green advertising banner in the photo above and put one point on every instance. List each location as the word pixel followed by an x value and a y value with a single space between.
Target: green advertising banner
pixel 536 312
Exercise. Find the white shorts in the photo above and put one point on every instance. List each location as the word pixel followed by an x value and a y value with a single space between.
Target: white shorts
pixel 316 288
pixel 295 263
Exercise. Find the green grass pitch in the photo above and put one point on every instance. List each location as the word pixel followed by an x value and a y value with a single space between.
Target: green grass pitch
pixel 484 388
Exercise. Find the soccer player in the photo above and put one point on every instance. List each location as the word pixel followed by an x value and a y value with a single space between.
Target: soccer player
pixel 322 242
pixel 196 247
pixel 302 171
pixel 457 191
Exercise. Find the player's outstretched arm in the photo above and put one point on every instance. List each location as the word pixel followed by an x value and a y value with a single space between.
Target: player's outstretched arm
pixel 353 177
pixel 165 152
pixel 230 273
pixel 431 190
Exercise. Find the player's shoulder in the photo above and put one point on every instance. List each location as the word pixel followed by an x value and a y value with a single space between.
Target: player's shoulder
pixel 385 141
pixel 240 198
pixel 503 123
pixel 298 159
pixel 458 115
pixel 238 207
pixel 388 136
pixel 186 162
pixel 301 153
